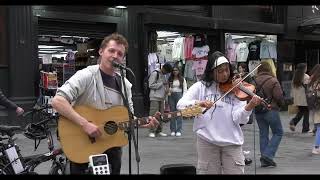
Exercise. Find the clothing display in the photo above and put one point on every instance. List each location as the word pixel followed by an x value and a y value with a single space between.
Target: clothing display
pixel 231 49
pixel 200 52
pixel 268 50
pixel 254 50
pixel 188 52
pixel 178 48
pixel 251 49
pixel 152 62
pixel 188 47
pixel 242 52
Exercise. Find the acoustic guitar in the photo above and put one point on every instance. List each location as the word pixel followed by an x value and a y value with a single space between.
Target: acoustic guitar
pixel 113 123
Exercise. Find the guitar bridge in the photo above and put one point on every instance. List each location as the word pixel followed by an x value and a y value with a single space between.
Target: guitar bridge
pixel 92 139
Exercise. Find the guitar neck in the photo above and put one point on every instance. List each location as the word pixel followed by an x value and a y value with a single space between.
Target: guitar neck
pixel 145 120
pixel 165 117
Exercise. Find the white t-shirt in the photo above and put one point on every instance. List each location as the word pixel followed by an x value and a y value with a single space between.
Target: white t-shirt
pixel 178 49
pixel 242 52
pixel 165 50
pixel 200 52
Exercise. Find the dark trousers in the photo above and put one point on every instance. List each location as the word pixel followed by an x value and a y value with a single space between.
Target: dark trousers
pixel 114 158
pixel 303 111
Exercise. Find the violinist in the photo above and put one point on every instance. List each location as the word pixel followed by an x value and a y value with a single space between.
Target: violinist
pixel 270 119
pixel 219 136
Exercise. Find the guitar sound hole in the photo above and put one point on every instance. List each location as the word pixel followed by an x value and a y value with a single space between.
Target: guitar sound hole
pixel 110 127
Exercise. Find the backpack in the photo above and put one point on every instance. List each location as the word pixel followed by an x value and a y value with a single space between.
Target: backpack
pixel 313 100
pixel 260 92
pixel 146 89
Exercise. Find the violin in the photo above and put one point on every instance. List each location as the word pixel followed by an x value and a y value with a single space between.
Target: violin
pixel 243 91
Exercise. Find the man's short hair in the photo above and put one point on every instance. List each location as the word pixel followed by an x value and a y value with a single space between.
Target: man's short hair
pixel 120 39
pixel 167 67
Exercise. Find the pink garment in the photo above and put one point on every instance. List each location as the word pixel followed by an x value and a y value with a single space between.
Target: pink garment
pixel 199 66
pixel 188 47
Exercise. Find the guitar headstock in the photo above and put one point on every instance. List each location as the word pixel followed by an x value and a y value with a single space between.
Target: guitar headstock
pixel 191 111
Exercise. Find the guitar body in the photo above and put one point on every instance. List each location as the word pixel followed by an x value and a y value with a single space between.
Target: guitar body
pixel 77 145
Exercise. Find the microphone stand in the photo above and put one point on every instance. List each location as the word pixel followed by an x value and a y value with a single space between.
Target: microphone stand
pixel 130 129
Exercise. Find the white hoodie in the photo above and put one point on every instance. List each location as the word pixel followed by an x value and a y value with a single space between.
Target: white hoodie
pixel 220 124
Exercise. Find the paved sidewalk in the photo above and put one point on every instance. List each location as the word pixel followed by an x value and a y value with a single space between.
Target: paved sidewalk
pixel 293 157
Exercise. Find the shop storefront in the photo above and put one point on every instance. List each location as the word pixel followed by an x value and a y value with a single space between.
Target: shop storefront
pixel 49 35
pixel 213 31
pixel 52 43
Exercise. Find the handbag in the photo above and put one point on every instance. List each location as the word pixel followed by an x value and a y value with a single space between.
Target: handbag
pixel 313 100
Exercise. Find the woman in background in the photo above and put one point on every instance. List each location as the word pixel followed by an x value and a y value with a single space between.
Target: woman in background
pixel 315 113
pixel 177 87
pixel 314 71
pixel 298 92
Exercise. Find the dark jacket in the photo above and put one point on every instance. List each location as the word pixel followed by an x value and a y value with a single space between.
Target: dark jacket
pixel 4 101
pixel 272 89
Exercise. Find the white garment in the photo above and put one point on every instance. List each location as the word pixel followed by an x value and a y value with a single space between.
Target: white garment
pixel 220 125
pixel 178 49
pixel 268 50
pixel 176 86
pixel 152 62
pixel 230 49
pixel 242 52
pixel 200 52
pixel 166 51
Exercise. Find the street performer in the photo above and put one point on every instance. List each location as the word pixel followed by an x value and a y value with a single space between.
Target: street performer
pixel 97 86
pixel 219 136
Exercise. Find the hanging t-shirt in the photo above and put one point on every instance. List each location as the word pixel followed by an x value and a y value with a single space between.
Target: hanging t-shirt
pixel 152 62
pixel 165 51
pixel 268 50
pixel 230 49
pixel 200 66
pixel 178 49
pixel 254 50
pixel 200 52
pixel 160 54
pixel 188 47
pixel 199 40
pixel 273 50
pixel 242 52
pixel 189 73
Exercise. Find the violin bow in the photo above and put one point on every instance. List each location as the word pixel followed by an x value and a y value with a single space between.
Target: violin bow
pixel 238 83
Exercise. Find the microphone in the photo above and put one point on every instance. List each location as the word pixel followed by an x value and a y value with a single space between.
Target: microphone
pixel 118 65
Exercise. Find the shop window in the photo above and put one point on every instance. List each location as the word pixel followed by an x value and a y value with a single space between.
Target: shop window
pixel 251 49
pixel 188 51
pixel 60 57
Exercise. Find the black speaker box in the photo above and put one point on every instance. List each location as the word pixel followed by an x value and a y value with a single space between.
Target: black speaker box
pixel 178 169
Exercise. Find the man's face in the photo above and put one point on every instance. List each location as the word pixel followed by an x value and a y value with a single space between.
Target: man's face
pixel 112 52
pixel 221 73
